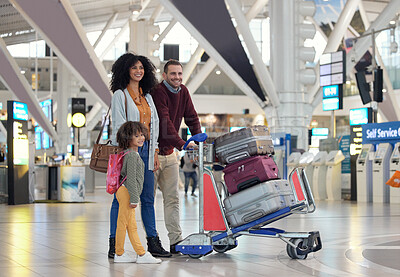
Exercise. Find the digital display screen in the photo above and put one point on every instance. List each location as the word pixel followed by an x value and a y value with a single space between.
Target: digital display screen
pixel 363 154
pixel 330 104
pixel 325 80
pixel 336 68
pixel 320 131
pixel 337 57
pixel 325 59
pixel 38 138
pixel 396 152
pixel 358 116
pixel 325 69
pixel 337 79
pixel 20 111
pixel 330 91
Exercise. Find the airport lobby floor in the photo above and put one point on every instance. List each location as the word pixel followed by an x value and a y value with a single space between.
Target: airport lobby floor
pixel 72 240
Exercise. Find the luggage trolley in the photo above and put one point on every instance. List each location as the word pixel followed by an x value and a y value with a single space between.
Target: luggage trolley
pixel 221 236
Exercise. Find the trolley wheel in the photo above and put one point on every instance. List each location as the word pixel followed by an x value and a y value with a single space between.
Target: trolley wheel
pixel 292 252
pixel 195 256
pixel 222 248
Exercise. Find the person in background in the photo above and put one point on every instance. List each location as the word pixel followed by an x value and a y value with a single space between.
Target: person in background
pixel 130 136
pixel 189 169
pixel 132 79
pixel 173 103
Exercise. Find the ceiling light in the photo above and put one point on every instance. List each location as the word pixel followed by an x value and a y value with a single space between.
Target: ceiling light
pixel 218 72
pixel 135 8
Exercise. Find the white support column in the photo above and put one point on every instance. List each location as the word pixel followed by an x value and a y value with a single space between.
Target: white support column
pixel 191 65
pixel 137 37
pixel 105 29
pixel 260 68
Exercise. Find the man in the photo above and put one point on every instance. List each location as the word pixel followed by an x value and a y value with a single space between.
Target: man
pixel 173 103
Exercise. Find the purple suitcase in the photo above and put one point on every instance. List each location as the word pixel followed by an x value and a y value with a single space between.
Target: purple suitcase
pixel 249 172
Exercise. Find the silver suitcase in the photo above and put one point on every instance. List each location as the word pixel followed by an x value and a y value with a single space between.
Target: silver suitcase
pixel 243 143
pixel 258 201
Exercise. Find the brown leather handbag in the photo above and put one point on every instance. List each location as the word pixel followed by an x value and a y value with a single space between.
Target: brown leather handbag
pixel 101 152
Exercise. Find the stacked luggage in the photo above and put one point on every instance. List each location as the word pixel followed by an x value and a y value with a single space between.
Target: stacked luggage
pixel 251 175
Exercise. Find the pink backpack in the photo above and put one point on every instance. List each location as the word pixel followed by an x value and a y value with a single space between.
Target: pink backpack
pixel 114 167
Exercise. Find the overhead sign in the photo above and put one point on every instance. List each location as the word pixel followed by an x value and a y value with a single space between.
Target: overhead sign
pixel 332 97
pixel 20 111
pixel 360 116
pixel 332 68
pixel 320 131
pixel 381 132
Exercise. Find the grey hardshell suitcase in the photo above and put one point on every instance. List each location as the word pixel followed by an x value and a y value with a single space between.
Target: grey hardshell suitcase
pixel 258 201
pixel 243 143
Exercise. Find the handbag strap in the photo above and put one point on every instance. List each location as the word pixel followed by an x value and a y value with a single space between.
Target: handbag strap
pixel 107 116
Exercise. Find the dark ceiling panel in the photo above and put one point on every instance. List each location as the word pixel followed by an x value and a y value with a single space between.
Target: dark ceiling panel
pixel 212 20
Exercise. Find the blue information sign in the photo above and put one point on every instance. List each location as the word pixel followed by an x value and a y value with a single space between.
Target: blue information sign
pixel 344 145
pixel 20 111
pixel 381 132
pixel 360 116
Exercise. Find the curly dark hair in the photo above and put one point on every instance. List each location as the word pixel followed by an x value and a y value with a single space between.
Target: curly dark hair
pixel 127 131
pixel 120 73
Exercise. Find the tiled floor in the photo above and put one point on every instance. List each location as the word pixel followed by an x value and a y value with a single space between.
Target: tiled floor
pixel 72 240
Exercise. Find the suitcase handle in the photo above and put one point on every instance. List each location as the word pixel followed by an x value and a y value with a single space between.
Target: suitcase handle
pixel 249 183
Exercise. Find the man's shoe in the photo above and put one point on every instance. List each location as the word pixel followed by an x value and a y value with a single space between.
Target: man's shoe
pixel 194 195
pixel 147 258
pixel 125 258
pixel 172 248
pixel 111 250
pixel 154 246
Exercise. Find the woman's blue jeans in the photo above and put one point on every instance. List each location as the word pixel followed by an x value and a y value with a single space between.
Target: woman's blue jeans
pixel 146 199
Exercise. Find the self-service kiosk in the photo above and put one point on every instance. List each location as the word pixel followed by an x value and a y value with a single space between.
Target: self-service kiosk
pixel 293 161
pixel 395 165
pixel 305 161
pixel 278 158
pixel 334 175
pixel 319 175
pixel 380 173
pixel 364 173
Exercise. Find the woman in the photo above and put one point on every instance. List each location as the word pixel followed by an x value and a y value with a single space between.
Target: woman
pixel 132 79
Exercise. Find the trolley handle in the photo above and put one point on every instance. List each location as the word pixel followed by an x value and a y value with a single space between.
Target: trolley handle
pixel 201 137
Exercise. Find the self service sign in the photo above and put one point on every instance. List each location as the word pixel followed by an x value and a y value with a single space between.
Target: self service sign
pixel 375 133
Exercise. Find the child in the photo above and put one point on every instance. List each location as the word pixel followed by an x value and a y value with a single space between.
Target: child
pixel 130 136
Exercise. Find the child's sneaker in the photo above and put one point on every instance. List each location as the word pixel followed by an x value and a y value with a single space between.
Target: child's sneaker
pixel 124 258
pixel 147 258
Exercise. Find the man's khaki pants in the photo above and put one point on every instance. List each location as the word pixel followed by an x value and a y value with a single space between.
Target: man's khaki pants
pixel 167 178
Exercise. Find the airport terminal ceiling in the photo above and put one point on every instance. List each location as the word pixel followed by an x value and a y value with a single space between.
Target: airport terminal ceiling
pixel 94 14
